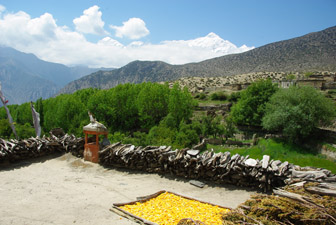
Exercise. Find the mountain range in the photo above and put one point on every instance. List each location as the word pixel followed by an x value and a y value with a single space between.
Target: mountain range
pixel 24 77
pixel 312 52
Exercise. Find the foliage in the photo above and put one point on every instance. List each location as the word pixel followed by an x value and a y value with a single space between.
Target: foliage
pixel 138 139
pixel 290 77
pixel 180 104
pixel 234 96
pixel 212 126
pixel 202 96
pixel 161 135
pixel 221 96
pixel 331 91
pixel 297 111
pixel 116 137
pixel 5 129
pixel 152 104
pixel 229 128
pixel 308 74
pixel 124 108
pixel 22 114
pixel 186 136
pixel 24 131
pixel 250 108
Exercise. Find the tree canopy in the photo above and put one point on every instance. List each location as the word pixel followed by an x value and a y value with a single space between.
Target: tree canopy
pixel 126 107
pixel 251 105
pixel 297 111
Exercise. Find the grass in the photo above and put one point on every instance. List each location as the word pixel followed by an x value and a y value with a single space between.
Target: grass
pixel 278 150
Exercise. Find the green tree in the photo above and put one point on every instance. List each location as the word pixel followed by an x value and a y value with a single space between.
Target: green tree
pixel 5 129
pixel 291 77
pixel 221 96
pixel 25 131
pixel 250 108
pixel 297 111
pixel 161 135
pixel 22 114
pixel 229 128
pixel 152 103
pixel 180 104
pixel 186 136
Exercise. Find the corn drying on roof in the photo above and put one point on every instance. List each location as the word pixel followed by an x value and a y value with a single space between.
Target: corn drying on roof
pixel 168 209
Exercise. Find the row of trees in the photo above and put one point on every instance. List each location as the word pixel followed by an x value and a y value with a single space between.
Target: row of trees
pixel 125 107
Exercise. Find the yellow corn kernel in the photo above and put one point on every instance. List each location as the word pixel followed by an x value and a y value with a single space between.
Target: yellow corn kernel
pixel 169 209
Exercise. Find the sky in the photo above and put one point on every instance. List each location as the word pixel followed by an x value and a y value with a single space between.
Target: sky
pixel 112 33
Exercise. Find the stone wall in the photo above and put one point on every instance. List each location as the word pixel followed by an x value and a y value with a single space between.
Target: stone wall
pixel 16 150
pixel 222 168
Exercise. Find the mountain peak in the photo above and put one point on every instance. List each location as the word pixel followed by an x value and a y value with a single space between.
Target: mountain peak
pixel 212 35
pixel 215 43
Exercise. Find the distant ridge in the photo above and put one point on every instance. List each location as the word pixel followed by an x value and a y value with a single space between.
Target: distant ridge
pixel 25 77
pixel 314 51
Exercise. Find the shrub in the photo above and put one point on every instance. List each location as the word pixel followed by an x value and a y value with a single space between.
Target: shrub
pixel 221 96
pixel 234 96
pixel 202 96
pixel 290 77
pixel 308 74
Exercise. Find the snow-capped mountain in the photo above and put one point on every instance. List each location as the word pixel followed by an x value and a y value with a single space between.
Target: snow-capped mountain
pixel 216 44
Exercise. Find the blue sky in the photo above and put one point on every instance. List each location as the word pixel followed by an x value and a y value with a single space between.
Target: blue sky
pixel 153 24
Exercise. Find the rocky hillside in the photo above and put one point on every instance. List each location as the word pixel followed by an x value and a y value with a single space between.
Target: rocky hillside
pixel 312 52
pixel 242 81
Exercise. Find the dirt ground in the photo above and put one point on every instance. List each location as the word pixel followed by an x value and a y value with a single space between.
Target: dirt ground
pixel 68 190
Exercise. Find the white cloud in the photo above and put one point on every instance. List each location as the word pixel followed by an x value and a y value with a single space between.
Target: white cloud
pixel 134 28
pixel 44 38
pixel 90 22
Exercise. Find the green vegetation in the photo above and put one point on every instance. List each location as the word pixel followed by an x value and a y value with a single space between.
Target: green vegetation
pixel 282 151
pixel 221 96
pixel 291 77
pixel 234 96
pixel 5 129
pixel 308 74
pixel 250 108
pixel 296 111
pixel 201 96
pixel 127 107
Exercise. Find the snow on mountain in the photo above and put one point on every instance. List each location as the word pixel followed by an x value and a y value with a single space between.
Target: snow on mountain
pixel 107 41
pixel 208 44
pixel 216 44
